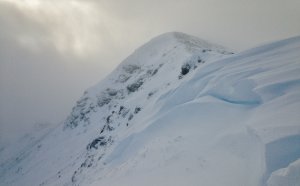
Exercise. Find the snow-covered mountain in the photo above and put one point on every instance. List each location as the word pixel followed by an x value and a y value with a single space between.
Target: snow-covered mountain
pixel 178 111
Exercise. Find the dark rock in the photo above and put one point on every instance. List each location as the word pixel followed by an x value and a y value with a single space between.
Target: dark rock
pixel 135 86
pixel 100 141
pixel 131 68
pixel 102 130
pixel 108 119
pixel 137 110
pixel 154 72
pixel 121 108
pixel 185 69
pixel 130 117
pixel 112 92
pixel 103 101
pixel 110 128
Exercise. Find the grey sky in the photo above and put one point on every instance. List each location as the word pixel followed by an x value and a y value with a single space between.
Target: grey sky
pixel 51 51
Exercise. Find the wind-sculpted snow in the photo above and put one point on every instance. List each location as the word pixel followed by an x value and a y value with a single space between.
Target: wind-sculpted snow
pixel 286 176
pixel 282 152
pixel 178 111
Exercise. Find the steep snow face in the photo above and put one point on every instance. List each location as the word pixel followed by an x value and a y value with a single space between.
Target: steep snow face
pixel 153 67
pixel 107 111
pixel 178 111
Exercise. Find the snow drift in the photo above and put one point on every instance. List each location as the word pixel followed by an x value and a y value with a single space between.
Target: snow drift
pixel 178 111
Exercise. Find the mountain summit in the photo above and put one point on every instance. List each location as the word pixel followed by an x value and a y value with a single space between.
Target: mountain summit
pixel 178 111
pixel 154 66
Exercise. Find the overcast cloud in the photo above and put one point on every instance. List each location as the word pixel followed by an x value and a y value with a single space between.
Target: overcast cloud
pixel 51 51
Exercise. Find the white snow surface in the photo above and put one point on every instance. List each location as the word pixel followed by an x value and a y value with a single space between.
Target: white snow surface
pixel 178 111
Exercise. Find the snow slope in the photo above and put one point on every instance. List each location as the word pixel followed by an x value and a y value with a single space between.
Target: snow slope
pixel 178 111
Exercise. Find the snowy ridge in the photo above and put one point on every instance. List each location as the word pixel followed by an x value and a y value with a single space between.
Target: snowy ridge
pixel 165 54
pixel 178 111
